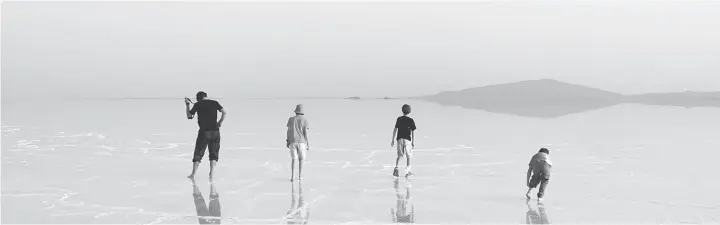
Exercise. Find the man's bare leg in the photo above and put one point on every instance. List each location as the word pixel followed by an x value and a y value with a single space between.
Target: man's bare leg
pixel 213 190
pixel 292 169
pixel 212 167
pixel 195 189
pixel 195 167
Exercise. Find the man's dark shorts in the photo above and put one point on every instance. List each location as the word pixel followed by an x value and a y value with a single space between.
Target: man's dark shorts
pixel 208 139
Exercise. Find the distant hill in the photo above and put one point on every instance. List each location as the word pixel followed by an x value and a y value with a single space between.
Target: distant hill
pixel 548 98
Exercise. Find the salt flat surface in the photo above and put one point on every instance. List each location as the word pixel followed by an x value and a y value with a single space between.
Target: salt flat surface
pixel 102 162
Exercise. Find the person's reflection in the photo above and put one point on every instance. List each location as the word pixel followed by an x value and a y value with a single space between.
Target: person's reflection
pixel 299 212
pixel 536 216
pixel 203 211
pixel 400 214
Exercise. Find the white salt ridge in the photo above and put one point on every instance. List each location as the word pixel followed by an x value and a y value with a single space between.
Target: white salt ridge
pixel 245 188
pixel 107 147
pixel 463 147
pixel 95 135
pixel 165 147
pixel 169 134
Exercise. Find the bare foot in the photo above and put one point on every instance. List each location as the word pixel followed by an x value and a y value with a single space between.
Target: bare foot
pixel 292 179
pixel 191 176
pixel 211 176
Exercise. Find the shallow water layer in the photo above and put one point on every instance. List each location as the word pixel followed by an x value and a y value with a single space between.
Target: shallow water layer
pixel 102 162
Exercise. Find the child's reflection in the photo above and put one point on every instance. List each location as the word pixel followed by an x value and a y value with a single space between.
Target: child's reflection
pixel 299 212
pixel 400 214
pixel 207 214
pixel 536 216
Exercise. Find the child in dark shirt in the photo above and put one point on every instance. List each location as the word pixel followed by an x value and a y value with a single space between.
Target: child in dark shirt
pixel 404 133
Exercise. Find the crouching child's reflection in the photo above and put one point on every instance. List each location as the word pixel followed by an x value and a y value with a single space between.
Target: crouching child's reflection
pixel 536 216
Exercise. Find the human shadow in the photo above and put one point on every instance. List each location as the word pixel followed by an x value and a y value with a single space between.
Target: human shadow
pixel 207 214
pixel 400 213
pixel 536 216
pixel 299 213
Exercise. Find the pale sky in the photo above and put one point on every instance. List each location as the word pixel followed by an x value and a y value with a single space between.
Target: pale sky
pixel 241 49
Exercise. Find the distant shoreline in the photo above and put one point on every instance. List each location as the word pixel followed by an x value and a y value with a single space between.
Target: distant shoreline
pixel 259 98
pixel 551 98
pixel 530 91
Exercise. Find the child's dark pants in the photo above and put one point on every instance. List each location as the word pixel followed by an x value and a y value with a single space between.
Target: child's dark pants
pixel 541 176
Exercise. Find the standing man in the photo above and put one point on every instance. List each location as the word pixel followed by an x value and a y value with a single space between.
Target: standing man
pixel 209 132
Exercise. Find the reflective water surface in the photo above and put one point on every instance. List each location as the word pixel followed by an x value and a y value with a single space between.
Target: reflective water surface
pixel 109 162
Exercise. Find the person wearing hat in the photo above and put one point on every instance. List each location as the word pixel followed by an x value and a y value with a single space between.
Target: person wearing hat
pixel 209 133
pixel 297 140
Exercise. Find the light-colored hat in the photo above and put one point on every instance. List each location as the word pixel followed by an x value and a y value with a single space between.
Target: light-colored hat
pixel 300 109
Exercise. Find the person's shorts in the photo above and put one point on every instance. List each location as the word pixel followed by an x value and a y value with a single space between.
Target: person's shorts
pixel 210 140
pixel 298 150
pixel 540 174
pixel 404 147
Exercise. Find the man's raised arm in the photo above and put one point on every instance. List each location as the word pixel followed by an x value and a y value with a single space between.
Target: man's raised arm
pixel 188 112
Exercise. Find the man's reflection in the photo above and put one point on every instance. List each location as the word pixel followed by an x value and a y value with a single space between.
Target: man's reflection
pixel 299 212
pixel 536 216
pixel 400 214
pixel 203 211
